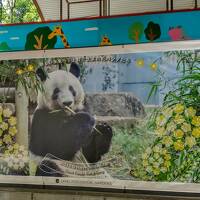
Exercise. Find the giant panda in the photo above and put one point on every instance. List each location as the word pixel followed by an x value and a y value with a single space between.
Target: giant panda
pixel 62 134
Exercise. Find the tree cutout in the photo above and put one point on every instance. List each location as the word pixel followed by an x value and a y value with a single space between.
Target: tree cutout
pixel 38 39
pixel 152 31
pixel 136 31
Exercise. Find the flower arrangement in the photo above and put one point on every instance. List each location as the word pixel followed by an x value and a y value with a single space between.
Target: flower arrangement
pixel 175 153
pixel 8 128
pixel 14 158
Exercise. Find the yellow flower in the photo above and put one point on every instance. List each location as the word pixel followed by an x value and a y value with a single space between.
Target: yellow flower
pixel 179 119
pixel 179 108
pixel 4 126
pixel 144 156
pixel 156 149
pixel 171 126
pixel 190 141
pixel 7 139
pixel 7 112
pixel 196 120
pixel 140 62
pixel 156 165
pixel 161 120
pixel 12 131
pixel 190 112
pixel 167 140
pixel 19 71
pixel 16 146
pixel 186 127
pixel 156 171
pixel 1 132
pixel 12 121
pixel 167 112
pixel 160 131
pixel 154 66
pixel 167 164
pixel 145 163
pixel 178 133
pixel 1 142
pixel 30 68
pixel 156 156
pixel 178 145
pixel 164 151
pixel 167 157
pixel 196 132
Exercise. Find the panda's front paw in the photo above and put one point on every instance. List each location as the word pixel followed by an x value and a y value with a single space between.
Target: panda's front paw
pixel 84 118
pixel 85 123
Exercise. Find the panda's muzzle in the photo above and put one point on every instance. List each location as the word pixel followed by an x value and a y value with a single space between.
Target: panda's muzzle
pixel 67 103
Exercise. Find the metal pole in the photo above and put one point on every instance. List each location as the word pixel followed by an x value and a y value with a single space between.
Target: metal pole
pixel 61 10
pixel 172 5
pixel 196 4
pixel 167 5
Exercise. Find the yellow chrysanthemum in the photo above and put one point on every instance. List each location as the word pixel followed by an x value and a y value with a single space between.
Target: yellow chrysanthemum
pixel 186 127
pixel 7 139
pixel 16 146
pixel 178 133
pixel 179 145
pixel 167 164
pixel 179 119
pixel 164 151
pixel 161 120
pixel 12 131
pixel 179 108
pixel 156 149
pixel 190 141
pixel 156 165
pixel 1 132
pixel 145 163
pixel 171 126
pixel 4 126
pixel 140 62
pixel 196 120
pixel 156 171
pixel 167 140
pixel 7 112
pixel 12 121
pixel 145 156
pixel 160 131
pixel 156 155
pixel 190 112
pixel 167 157
pixel 196 132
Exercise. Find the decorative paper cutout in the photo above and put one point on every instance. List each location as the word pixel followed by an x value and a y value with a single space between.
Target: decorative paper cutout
pixel 136 31
pixel 152 31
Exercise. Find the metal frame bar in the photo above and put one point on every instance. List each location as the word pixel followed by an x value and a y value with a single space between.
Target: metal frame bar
pixel 61 10
pixel 196 4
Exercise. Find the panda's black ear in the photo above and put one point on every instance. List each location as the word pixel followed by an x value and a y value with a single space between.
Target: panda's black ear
pixel 75 69
pixel 41 74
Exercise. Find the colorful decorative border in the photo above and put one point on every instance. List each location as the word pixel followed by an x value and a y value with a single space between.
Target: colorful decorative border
pixel 118 30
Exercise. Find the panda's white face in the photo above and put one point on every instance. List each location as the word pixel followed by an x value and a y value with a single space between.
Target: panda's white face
pixel 61 89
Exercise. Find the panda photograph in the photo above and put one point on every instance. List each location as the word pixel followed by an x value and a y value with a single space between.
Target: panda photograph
pixel 105 117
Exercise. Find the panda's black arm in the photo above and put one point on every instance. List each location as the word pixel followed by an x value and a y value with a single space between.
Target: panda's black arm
pixel 98 144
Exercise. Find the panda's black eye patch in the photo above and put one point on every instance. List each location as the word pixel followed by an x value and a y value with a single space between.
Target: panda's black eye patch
pixel 71 89
pixel 55 94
